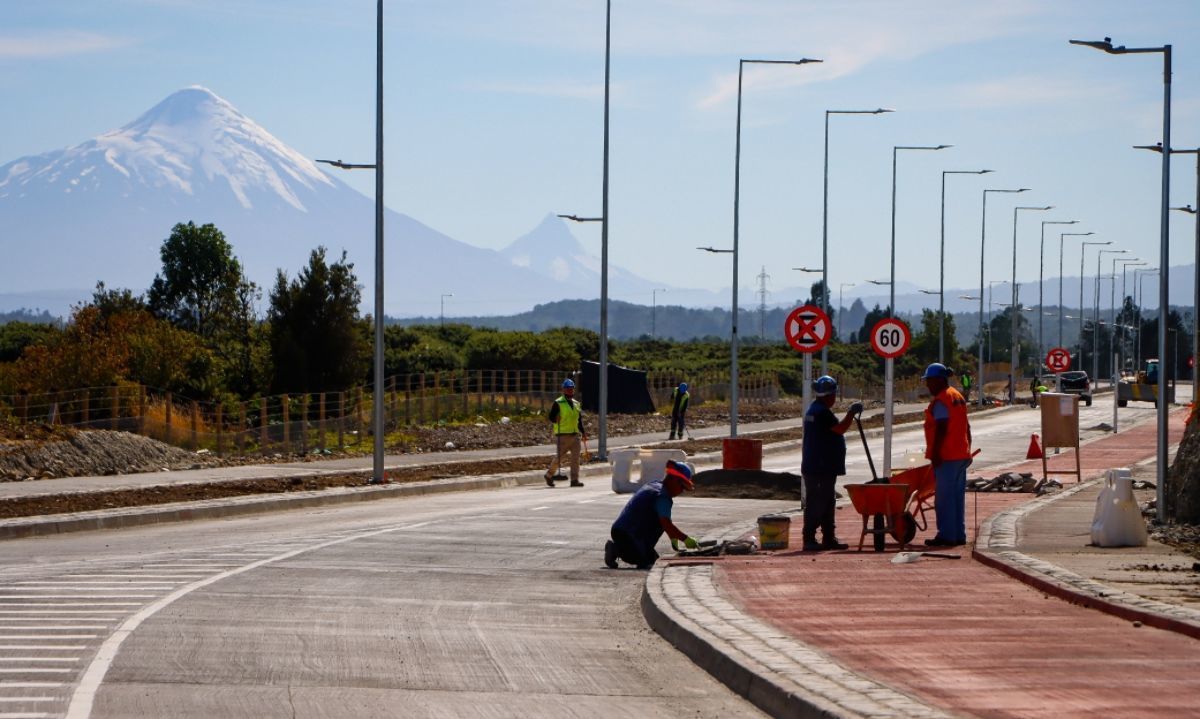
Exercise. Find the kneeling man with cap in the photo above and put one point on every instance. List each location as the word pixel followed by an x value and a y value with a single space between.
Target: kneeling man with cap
pixel 646 516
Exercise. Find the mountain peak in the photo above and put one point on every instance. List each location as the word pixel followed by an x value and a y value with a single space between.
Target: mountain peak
pixel 186 107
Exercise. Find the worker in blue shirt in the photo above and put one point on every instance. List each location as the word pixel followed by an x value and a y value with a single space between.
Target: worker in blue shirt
pixel 646 516
pixel 824 460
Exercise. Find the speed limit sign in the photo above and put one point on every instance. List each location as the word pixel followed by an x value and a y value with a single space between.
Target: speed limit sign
pixel 890 338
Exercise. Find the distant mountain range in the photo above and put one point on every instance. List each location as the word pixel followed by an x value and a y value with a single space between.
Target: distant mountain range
pixel 100 210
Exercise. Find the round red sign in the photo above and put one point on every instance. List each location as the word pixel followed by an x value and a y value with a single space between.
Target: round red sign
pixel 890 338
pixel 807 329
pixel 1058 360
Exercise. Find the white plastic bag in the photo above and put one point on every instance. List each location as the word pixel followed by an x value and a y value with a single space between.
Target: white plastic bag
pixel 1118 521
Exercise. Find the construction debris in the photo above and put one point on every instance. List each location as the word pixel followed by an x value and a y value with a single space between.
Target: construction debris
pixel 1013 482
pixel 712 548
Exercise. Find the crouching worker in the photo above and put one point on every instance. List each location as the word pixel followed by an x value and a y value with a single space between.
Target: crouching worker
pixel 824 460
pixel 646 516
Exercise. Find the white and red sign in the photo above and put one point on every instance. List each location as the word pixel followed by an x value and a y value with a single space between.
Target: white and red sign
pixel 1058 360
pixel 808 329
pixel 890 338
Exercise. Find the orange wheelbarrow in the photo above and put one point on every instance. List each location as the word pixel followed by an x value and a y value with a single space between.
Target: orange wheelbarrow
pixel 885 503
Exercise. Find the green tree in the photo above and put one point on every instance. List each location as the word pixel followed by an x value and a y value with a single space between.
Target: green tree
pixel 864 333
pixel 200 281
pixel 925 341
pixel 317 342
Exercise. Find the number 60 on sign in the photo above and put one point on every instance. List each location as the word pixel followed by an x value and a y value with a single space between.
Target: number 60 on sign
pixel 890 338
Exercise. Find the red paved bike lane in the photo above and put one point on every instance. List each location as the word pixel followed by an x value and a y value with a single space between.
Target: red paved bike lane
pixel 968 638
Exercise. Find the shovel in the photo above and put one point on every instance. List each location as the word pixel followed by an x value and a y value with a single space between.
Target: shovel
pixel 866 448
pixel 909 557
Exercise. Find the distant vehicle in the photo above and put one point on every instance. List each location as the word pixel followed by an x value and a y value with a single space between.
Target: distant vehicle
pixel 1077 382
pixel 1144 386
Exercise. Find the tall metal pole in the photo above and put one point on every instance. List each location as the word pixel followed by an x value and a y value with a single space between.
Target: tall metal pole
pixel 1082 254
pixel 942 264
pixel 602 385
pixel 1016 310
pixel 1164 296
pixel 733 335
pixel 1041 351
pixel 982 242
pixel 377 395
pixel 1096 313
pixel 892 276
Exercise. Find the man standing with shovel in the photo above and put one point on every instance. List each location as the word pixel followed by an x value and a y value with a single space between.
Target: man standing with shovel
pixel 823 462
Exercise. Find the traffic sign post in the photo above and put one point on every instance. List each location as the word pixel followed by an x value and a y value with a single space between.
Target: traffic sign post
pixel 890 338
pixel 807 329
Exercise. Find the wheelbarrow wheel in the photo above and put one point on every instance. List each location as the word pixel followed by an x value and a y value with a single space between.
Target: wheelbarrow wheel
pixel 904 528
pixel 878 526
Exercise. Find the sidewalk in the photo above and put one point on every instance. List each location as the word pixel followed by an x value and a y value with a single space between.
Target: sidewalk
pixel 851 634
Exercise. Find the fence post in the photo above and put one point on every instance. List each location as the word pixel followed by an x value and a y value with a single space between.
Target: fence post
pixel 421 399
pixel 262 425
pixel 170 406
pixel 341 420
pixel 321 422
pixel 408 400
pixel 478 391
pixel 304 423
pixel 241 433
pixel 220 432
pixel 195 438
pixel 115 406
pixel 437 397
pixel 287 422
pixel 505 390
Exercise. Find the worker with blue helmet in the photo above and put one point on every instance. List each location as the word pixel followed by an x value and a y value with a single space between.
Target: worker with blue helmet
pixel 824 460
pixel 679 405
pixel 948 449
pixel 566 416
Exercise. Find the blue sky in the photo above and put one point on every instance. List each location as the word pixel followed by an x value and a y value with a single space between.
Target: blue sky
pixel 494 116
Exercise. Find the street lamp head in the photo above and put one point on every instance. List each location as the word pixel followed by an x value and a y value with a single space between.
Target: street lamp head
pixel 1156 147
pixel 984 172
pixel 882 110
pixel 576 218
pixel 808 269
pixel 1105 45
pixel 712 249
pixel 879 282
pixel 1188 209
pixel 929 292
pixel 967 297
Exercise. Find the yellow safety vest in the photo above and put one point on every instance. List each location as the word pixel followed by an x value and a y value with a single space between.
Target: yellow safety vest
pixel 569 414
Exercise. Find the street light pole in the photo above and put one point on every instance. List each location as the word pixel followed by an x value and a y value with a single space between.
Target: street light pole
pixel 942 264
pixel 1061 235
pixel 825 218
pixel 892 277
pixel 1112 306
pixel 1096 313
pixel 982 257
pixel 1082 253
pixel 654 311
pixel 841 308
pixel 1164 251
pixel 1041 280
pixel 737 187
pixel 377 398
pixel 1012 386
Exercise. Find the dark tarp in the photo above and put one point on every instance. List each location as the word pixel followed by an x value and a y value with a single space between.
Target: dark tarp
pixel 628 392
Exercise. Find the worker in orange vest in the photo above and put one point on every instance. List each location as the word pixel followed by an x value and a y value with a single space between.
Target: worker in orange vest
pixel 948 448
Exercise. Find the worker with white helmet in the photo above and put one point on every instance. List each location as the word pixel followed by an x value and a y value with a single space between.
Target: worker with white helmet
pixel 824 460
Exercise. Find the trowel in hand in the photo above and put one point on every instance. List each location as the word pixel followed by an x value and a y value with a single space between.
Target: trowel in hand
pixel 907 557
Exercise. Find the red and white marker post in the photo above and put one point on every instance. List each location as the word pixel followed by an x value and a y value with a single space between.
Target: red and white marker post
pixel 890 338
pixel 807 329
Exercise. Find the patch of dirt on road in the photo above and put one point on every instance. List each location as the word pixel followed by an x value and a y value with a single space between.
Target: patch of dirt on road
pixel 747 484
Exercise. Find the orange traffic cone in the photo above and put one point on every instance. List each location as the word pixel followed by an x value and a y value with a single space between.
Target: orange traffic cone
pixel 1035 449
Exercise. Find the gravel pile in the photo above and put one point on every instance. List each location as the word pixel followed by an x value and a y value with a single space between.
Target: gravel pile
pixel 94 453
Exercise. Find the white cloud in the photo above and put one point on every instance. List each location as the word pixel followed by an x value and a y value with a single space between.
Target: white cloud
pixel 57 44
pixel 1027 89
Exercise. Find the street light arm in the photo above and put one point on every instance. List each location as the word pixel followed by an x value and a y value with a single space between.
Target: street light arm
pixel 575 218
pixel 713 249
pixel 801 61
pixel 347 165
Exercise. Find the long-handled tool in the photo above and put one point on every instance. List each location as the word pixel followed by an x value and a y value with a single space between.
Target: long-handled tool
pixel 908 557
pixel 866 448
pixel 587 456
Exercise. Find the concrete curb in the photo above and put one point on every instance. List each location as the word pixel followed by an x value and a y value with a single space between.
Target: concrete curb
pixel 996 548
pixel 778 674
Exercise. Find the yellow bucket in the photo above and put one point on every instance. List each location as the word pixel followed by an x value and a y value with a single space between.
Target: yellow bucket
pixel 773 530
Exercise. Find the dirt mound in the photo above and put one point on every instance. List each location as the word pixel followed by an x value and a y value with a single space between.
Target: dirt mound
pixel 1183 480
pixel 83 454
pixel 747 484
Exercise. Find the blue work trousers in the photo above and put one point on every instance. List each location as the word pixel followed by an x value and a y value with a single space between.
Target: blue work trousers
pixel 951 499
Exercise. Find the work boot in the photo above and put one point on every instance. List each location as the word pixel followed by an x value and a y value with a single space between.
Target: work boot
pixel 833 543
pixel 610 554
pixel 549 480
pixel 811 545
pixel 576 483
pixel 671 437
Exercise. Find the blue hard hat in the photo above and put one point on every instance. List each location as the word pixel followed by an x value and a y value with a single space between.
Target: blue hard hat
pixel 568 384
pixel 825 386
pixel 937 369
pixel 683 386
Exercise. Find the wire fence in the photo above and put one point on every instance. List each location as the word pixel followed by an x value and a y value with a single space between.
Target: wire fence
pixel 324 421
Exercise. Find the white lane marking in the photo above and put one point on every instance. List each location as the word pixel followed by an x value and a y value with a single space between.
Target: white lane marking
pixel 22 700
pixel 39 659
pixel 9 637
pixel 24 715
pixel 68 604
pixel 74 596
pixel 538 509
pixel 35 671
pixel 558 542
pixel 31 685
pixel 89 683
pixel 87 585
pixel 63 611
pixel 585 501
pixel 40 647
pixel 138 575
pixel 24 627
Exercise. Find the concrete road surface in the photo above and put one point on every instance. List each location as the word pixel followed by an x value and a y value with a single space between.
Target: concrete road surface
pixel 475 604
